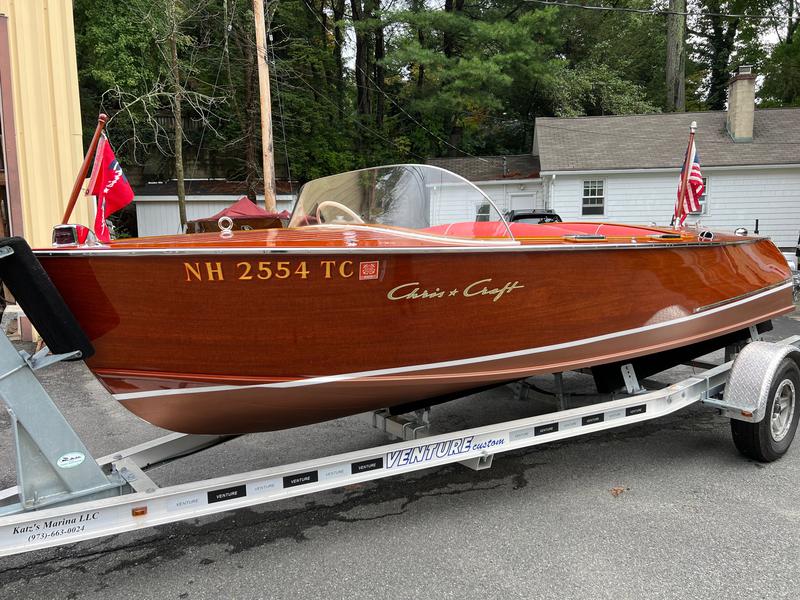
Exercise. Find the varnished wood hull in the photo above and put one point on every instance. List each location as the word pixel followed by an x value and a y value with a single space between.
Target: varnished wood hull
pixel 204 341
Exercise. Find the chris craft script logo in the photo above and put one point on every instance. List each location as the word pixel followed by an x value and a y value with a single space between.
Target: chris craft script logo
pixel 483 287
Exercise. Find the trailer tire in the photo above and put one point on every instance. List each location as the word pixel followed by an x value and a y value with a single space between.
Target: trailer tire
pixel 770 438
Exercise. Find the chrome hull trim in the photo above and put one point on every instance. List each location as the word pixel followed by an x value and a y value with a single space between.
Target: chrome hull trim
pixel 781 284
pixel 576 247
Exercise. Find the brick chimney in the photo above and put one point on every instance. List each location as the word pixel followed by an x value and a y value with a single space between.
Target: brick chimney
pixel 741 104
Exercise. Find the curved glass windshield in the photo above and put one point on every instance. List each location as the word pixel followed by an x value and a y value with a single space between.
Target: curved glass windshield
pixel 410 196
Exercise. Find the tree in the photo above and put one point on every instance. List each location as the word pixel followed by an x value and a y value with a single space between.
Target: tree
pixel 782 69
pixel 676 57
pixel 782 75
pixel 461 77
pixel 725 39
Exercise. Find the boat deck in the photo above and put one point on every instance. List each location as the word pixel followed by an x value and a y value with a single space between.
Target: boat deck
pixel 492 234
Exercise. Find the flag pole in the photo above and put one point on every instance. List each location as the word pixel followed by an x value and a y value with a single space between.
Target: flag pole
pixel 685 179
pixel 87 160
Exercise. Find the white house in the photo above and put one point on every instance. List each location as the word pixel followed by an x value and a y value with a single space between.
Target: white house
pixel 626 168
pixel 512 182
pixel 157 203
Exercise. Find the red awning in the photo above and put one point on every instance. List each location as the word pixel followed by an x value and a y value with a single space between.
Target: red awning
pixel 243 207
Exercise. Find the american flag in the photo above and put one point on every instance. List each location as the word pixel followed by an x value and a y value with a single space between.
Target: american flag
pixel 689 200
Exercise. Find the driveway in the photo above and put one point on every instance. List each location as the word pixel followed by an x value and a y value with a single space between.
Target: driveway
pixel 688 517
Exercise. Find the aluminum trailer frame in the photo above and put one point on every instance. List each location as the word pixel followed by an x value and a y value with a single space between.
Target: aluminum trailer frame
pixel 56 503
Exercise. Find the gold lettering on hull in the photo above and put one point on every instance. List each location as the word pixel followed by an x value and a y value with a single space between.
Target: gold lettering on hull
pixel 251 270
pixel 476 289
pixel 193 271
pixel 214 271
pixel 411 291
pixel 482 287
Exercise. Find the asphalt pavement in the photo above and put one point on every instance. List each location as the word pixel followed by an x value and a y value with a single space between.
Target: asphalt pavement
pixel 693 519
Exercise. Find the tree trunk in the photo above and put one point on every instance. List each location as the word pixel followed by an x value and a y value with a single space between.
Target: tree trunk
pixel 380 70
pixel 227 57
pixel 676 57
pixel 249 115
pixel 338 42
pixel 417 6
pixel 450 49
pixel 448 39
pixel 251 146
pixel 177 113
pixel 362 57
pixel 720 44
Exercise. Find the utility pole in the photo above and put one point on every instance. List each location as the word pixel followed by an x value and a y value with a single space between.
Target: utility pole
pixel 266 107
pixel 676 56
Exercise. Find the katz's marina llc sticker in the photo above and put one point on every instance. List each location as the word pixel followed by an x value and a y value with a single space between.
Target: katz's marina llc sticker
pixel 43 530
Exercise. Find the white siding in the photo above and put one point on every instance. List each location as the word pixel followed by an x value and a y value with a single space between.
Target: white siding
pixel 736 198
pixel 452 206
pixel 160 217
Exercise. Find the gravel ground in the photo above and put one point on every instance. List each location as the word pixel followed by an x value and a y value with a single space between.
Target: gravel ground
pixel 694 519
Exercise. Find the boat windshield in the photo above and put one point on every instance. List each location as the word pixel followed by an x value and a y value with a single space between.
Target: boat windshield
pixel 410 196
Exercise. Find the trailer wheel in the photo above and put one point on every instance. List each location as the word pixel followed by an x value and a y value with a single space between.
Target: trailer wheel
pixel 769 439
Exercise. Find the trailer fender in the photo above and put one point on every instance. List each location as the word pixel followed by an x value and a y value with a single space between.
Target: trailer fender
pixel 752 375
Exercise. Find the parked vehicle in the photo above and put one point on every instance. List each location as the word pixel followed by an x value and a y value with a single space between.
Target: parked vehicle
pixel 532 216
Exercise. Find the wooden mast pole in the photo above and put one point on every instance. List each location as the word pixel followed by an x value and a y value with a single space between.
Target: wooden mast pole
pixel 266 107
pixel 87 160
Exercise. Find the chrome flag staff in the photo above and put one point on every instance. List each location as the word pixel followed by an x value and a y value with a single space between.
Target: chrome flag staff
pixel 109 184
pixel 690 187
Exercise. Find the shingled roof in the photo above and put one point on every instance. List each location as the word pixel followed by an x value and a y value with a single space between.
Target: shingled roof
pixel 491 168
pixel 209 187
pixel 659 141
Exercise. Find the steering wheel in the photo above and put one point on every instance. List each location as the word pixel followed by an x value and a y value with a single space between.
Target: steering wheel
pixel 340 207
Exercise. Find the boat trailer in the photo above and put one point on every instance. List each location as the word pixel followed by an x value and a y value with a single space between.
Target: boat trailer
pixel 64 495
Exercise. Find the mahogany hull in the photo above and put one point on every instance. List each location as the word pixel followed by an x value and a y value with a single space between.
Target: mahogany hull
pixel 212 341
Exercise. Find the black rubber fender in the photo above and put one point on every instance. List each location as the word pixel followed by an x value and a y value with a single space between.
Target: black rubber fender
pixel 32 288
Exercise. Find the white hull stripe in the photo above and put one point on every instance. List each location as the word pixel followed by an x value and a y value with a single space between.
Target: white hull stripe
pixel 452 363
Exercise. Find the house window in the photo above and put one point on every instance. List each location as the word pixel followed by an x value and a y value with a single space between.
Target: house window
pixel 593 197
pixel 482 212
pixel 703 199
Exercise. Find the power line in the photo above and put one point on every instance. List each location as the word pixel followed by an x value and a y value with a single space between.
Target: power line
pixel 280 107
pixel 400 108
pixel 216 81
pixel 354 118
pixel 653 11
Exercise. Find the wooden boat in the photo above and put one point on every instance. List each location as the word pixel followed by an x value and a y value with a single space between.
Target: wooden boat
pixel 369 299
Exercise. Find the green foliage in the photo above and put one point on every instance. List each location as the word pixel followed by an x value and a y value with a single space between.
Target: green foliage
pixel 595 89
pixel 471 76
pixel 782 75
